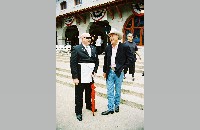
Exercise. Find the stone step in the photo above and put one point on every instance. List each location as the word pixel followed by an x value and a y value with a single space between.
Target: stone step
pixel 137 62
pixel 126 99
pixel 128 82
pixel 137 68
pixel 138 76
pixel 133 90
pixel 141 53
pixel 67 60
pixel 101 57
pixel 61 53
pixel 128 86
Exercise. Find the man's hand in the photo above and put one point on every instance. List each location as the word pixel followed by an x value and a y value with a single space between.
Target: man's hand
pixel 104 75
pixel 76 81
pixel 138 55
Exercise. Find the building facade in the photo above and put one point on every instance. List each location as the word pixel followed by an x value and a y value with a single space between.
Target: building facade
pixel 97 17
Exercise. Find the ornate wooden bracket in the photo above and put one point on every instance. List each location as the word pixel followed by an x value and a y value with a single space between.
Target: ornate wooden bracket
pixel 119 12
pixel 110 12
pixel 81 17
pixel 77 19
pixel 59 22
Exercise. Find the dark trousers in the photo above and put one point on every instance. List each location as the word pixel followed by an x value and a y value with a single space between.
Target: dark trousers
pixel 131 69
pixel 79 96
pixel 98 50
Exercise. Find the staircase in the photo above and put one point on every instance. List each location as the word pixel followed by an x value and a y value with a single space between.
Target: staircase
pixel 132 91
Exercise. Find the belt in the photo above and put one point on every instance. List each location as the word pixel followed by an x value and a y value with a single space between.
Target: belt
pixel 113 68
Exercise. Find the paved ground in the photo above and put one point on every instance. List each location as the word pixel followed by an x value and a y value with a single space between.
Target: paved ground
pixel 127 119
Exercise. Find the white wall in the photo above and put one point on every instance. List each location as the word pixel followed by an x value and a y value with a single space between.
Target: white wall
pixel 117 22
pixel 82 28
pixel 71 5
pixel 60 38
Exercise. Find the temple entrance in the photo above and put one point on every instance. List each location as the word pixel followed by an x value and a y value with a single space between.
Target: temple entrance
pixel 100 28
pixel 71 36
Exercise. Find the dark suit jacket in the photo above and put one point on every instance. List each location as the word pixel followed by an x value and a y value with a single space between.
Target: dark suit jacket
pixel 123 59
pixel 133 48
pixel 80 55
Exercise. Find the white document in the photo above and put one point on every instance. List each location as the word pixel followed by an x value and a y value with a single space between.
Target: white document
pixel 86 72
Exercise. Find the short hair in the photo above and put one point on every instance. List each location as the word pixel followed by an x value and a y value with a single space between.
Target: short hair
pixel 84 34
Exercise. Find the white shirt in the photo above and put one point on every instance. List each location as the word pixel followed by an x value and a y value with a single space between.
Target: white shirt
pixel 87 68
pixel 98 42
pixel 114 52
pixel 88 48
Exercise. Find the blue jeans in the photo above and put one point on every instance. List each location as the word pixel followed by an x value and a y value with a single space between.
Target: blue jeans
pixel 114 83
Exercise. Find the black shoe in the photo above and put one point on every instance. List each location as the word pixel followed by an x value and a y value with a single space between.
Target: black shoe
pixel 142 74
pixel 91 109
pixel 133 78
pixel 107 112
pixel 117 109
pixel 79 117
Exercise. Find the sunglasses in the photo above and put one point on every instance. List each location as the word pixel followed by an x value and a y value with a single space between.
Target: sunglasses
pixel 88 37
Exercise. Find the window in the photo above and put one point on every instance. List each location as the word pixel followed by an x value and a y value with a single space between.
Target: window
pixel 139 21
pixel 135 25
pixel 77 2
pixel 63 5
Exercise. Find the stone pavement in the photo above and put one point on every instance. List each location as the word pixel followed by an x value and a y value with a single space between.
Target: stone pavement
pixel 131 115
pixel 127 119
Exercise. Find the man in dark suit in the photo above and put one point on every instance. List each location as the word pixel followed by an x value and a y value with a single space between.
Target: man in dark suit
pixel 83 56
pixel 134 50
pixel 117 57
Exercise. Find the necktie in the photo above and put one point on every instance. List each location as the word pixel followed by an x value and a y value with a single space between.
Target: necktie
pixel 88 50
